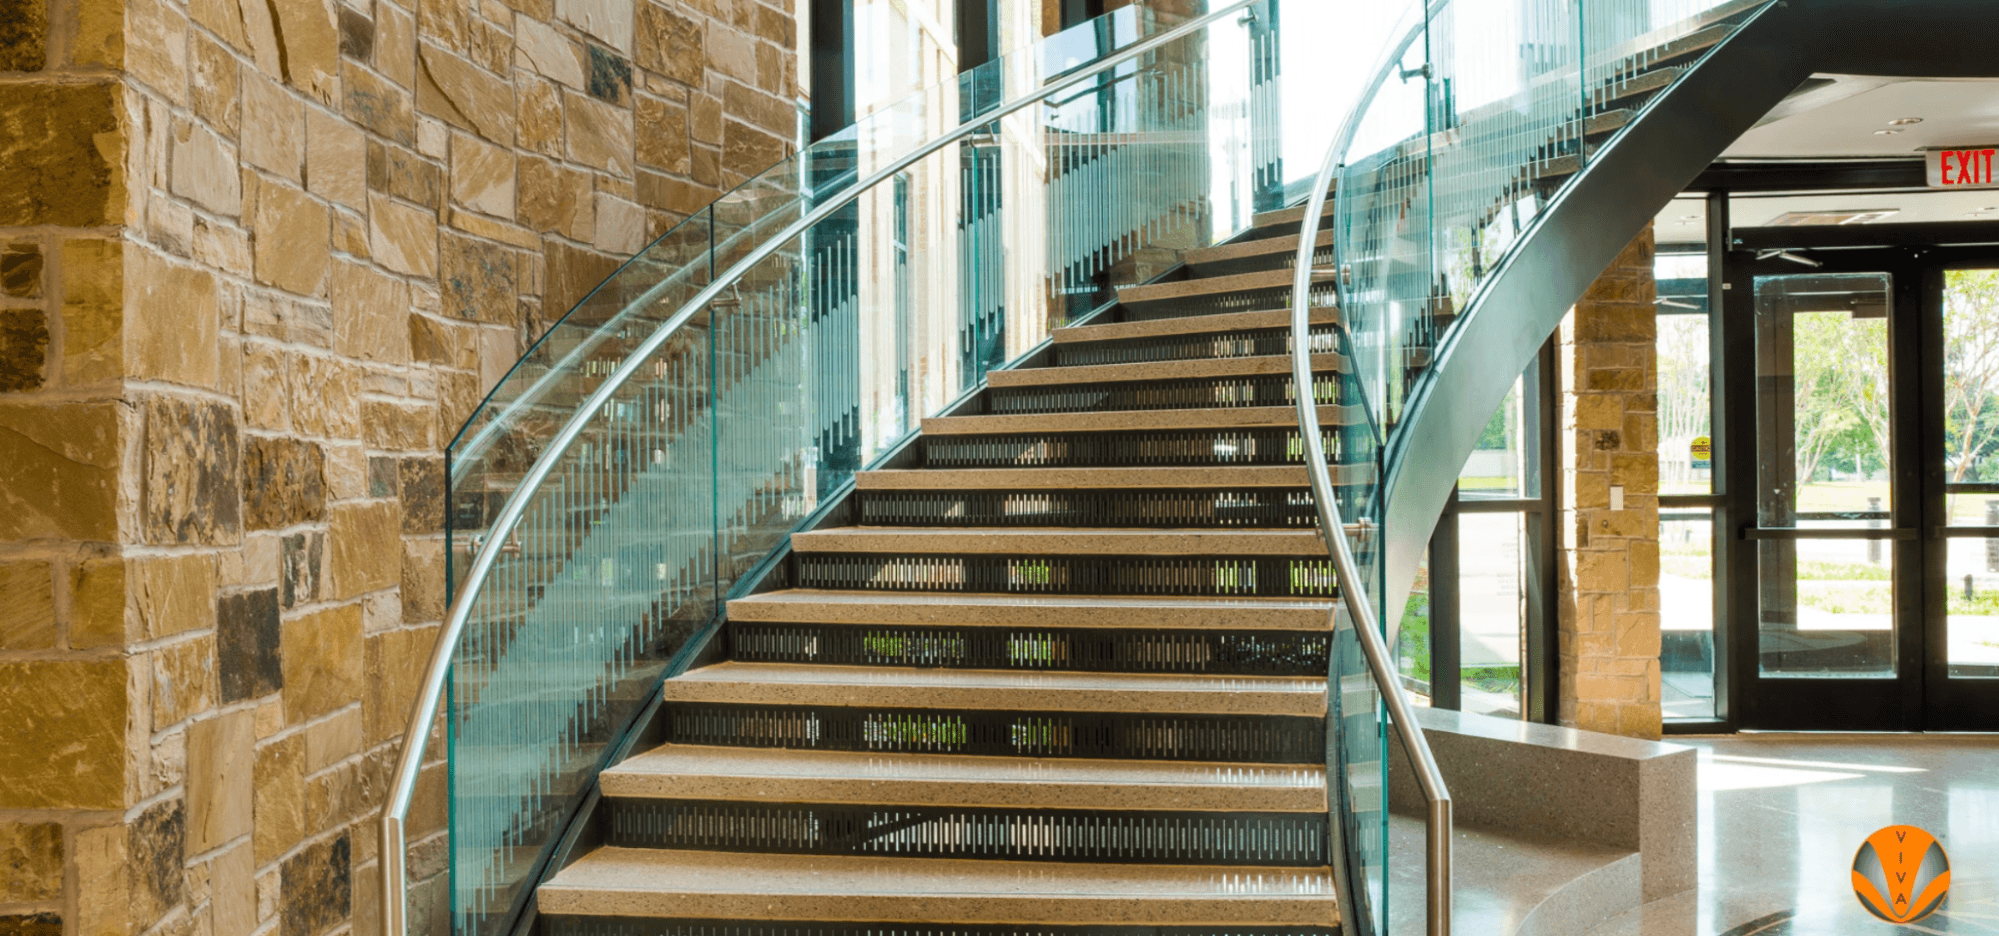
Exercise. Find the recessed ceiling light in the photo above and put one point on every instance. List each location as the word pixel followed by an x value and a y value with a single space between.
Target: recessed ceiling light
pixel 1904 121
pixel 1886 133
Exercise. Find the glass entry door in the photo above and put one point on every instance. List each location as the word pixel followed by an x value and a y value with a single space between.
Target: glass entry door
pixel 1873 555
pixel 1961 553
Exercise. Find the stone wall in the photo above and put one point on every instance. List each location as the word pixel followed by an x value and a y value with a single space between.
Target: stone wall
pixel 1609 605
pixel 258 261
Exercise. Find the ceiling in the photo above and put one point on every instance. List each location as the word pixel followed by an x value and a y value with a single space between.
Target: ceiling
pixel 1844 116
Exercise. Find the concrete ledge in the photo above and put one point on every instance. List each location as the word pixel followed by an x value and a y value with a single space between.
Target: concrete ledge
pixel 1563 784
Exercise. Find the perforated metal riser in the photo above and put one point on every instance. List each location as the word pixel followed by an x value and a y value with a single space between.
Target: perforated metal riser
pixel 1240 301
pixel 590 924
pixel 1255 507
pixel 1244 344
pixel 1191 394
pixel 1085 649
pixel 1104 450
pixel 1146 837
pixel 1265 739
pixel 1070 575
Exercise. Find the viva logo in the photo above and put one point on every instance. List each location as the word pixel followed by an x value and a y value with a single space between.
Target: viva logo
pixel 1901 874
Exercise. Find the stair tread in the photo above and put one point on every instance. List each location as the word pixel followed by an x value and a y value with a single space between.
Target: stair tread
pixel 1067 541
pixel 1205 286
pixel 1145 476
pixel 1188 325
pixel 713 772
pixel 728 885
pixel 1069 691
pixel 1116 420
pixel 1030 611
pixel 1292 215
pixel 1176 369
pixel 1261 247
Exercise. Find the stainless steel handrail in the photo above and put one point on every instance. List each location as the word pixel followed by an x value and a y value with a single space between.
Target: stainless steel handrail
pixel 430 695
pixel 1367 628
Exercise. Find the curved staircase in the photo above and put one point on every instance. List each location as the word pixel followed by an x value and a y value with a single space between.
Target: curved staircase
pixel 1064 671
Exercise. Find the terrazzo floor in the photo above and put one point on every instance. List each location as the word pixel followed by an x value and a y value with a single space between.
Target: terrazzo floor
pixel 1781 816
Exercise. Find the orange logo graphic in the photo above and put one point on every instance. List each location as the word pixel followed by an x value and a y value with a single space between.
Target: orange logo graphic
pixel 1901 874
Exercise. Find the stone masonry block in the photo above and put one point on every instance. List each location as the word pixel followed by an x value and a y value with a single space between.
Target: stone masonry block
pixel 379 106
pixel 361 554
pixel 423 580
pixel 27 607
pixel 61 155
pixel 598 134
pixel 1637 472
pixel 284 482
pixel 397 425
pixel 538 115
pixel 30 862
pixel 479 279
pixel 156 850
pixel 58 471
pixel 317 887
pixel 173 594
pixel 464 95
pixel 65 744
pixel 279 797
pixel 205 169
pixel 24 342
pixel 24 28
pixel 482 176
pixel 322 662
pixel 220 765
pixel 402 237
pixel 248 645
pixel 21 270
pixel 184 681
pixel 396 661
pixel 311 47
pixel 191 483
pixel 171 321
pixel 292 239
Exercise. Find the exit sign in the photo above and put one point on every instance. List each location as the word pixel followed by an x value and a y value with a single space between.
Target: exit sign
pixel 1962 168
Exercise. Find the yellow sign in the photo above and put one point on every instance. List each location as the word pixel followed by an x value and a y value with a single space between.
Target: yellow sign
pixel 1702 452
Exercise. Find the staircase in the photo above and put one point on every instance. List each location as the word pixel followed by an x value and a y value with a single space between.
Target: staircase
pixel 1062 673
pixel 1057 663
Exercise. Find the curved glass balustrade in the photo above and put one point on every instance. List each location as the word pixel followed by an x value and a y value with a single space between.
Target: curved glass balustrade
pixel 1478 118
pixel 662 440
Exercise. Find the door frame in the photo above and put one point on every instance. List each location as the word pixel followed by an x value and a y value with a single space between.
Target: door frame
pixel 1921 696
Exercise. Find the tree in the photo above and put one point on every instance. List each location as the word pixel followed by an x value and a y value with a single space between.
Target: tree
pixel 1683 383
pixel 1971 368
pixel 1840 384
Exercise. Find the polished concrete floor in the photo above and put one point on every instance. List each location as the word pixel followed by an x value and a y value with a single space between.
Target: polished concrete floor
pixel 1781 817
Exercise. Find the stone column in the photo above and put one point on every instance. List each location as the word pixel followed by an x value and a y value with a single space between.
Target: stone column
pixel 1609 566
pixel 258 262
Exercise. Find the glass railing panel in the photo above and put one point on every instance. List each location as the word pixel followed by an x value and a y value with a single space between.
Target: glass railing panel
pixel 609 570
pixel 1358 762
pixel 506 429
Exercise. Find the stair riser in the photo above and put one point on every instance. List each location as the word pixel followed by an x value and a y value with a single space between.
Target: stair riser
pixel 1191 394
pixel 1225 345
pixel 1247 508
pixel 1006 733
pixel 1099 650
pixel 1214 447
pixel 1207 304
pixel 1068 575
pixel 1128 836
pixel 1275 260
pixel 709 927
